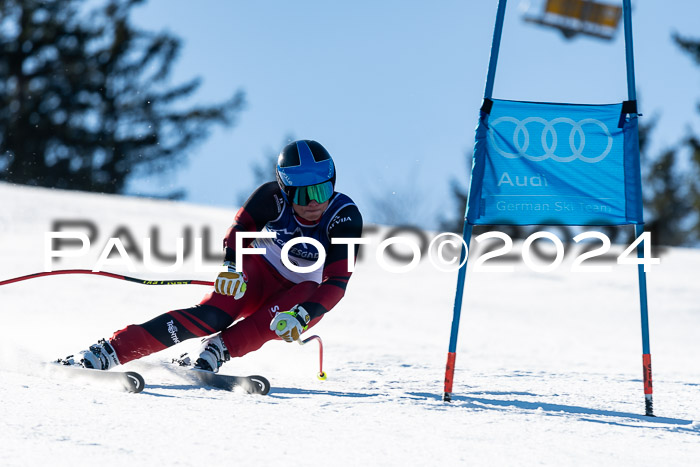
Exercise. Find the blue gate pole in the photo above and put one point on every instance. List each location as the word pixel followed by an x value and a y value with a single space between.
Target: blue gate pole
pixel 456 312
pixel 495 48
pixel 467 227
pixel 639 228
pixel 629 52
pixel 644 310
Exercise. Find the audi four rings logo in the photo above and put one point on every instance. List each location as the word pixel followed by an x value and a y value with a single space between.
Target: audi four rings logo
pixel 549 139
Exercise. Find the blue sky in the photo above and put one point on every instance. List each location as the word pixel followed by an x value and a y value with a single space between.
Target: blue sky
pixel 392 88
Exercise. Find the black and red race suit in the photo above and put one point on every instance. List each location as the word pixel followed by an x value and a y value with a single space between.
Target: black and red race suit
pixel 271 286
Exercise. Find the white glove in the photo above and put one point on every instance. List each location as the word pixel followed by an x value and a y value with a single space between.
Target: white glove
pixel 290 324
pixel 231 283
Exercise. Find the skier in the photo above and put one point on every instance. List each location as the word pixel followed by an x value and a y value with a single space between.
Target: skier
pixel 274 301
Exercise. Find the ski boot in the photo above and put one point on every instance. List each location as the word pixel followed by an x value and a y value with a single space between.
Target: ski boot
pixel 212 354
pixel 100 356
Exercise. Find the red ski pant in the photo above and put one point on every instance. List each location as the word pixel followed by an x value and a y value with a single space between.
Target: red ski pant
pixel 267 294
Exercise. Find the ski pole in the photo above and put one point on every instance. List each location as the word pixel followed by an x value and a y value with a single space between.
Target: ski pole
pixel 321 374
pixel 105 274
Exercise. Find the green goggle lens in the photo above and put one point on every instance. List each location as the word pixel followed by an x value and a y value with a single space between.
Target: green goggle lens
pixel 320 193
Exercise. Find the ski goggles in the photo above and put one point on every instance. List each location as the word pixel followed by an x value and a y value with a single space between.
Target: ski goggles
pixel 303 195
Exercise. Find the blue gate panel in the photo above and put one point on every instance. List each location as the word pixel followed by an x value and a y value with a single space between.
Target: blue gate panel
pixel 559 164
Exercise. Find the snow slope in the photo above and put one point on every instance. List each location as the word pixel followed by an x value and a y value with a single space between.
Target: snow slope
pixel 548 365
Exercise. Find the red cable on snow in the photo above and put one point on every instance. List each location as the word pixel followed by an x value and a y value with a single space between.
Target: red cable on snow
pixel 106 274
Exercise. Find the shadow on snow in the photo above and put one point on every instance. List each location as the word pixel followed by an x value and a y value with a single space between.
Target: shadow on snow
pixel 285 392
pixel 275 392
pixel 558 409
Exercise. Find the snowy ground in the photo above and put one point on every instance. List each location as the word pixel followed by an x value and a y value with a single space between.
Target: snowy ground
pixel 548 365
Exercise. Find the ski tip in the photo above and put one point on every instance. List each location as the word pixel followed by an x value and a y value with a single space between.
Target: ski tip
pixel 262 385
pixel 134 382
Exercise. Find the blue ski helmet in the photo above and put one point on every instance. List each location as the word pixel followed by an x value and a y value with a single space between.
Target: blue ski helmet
pixel 305 172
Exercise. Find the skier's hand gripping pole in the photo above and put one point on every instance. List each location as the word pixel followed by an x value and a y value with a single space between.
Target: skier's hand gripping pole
pixel 289 325
pixel 232 282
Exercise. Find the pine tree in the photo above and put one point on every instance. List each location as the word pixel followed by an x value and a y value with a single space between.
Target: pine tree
pixel 694 143
pixel 666 202
pixel 84 98
pixel 455 222
pixel 692 47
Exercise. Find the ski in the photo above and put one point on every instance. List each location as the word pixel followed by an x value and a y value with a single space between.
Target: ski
pixel 128 381
pixel 254 384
